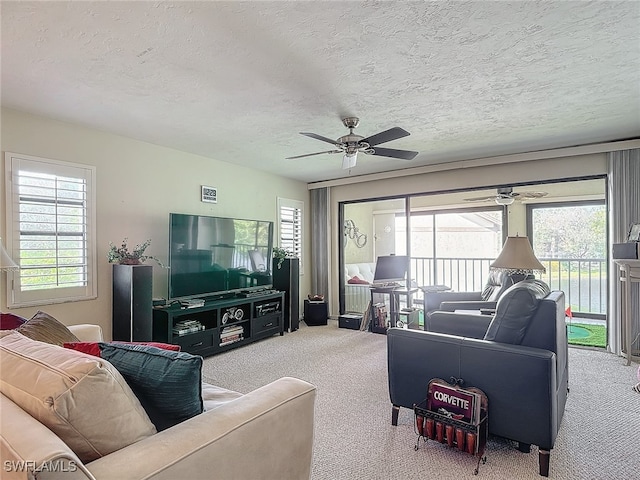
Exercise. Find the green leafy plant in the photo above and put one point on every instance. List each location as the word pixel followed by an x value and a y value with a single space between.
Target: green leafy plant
pixel 280 254
pixel 122 256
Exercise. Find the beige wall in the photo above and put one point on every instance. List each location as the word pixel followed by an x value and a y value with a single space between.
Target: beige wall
pixel 362 215
pixel 453 178
pixel 138 185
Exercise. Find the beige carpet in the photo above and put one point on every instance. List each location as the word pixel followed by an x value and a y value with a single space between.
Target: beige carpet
pixel 354 438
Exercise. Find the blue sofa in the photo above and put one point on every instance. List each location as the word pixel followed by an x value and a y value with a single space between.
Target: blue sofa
pixel 518 357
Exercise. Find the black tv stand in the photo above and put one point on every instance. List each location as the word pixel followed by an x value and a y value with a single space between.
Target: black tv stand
pixel 221 323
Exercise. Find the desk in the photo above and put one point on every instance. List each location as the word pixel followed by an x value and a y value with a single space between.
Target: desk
pixel 394 302
pixel 629 273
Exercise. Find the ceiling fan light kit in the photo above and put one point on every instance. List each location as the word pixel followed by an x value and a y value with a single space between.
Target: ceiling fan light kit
pixel 352 143
pixel 504 200
pixel 349 161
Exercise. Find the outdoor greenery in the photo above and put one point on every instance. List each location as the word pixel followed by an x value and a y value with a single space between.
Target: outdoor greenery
pixel 570 232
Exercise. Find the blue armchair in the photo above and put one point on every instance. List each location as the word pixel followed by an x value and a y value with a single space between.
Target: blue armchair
pixel 518 357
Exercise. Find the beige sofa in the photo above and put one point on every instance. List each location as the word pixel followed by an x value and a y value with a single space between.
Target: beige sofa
pixel 266 434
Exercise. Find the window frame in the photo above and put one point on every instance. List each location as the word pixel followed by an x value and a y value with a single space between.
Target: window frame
pixel 286 203
pixel 16 297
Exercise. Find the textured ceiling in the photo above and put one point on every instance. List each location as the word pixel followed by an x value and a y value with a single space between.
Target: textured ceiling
pixel 237 81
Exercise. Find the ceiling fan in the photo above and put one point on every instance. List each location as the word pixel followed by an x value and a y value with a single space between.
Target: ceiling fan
pixel 506 196
pixel 351 144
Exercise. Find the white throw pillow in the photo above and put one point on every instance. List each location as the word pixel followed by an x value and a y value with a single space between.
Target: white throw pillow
pixel 81 398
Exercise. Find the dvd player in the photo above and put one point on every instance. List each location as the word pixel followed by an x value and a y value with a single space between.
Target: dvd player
pixel 192 303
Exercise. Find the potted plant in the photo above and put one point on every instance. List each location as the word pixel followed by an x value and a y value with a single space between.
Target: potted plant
pixel 280 254
pixel 122 256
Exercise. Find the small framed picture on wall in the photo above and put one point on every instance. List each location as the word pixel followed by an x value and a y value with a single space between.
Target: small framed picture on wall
pixel 209 194
pixel 634 233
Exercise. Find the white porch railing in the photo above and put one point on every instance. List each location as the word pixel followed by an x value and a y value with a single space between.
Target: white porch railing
pixel 584 281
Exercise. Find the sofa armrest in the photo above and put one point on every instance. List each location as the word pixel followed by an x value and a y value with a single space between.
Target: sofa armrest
pixel 87 332
pixel 27 445
pixel 266 434
pixel 432 300
pixel 452 306
pixel 461 324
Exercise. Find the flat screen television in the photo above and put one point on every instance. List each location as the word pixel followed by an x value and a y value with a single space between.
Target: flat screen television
pixel 214 256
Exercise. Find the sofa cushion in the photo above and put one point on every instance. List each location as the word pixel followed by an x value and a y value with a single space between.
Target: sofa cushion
pixel 167 383
pixel 214 396
pixel 45 328
pixel 82 399
pixel 9 321
pixel 514 311
pixel 93 348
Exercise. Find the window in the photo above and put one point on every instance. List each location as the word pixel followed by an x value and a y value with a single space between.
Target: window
pixel 570 239
pixel 290 226
pixel 51 230
pixel 455 247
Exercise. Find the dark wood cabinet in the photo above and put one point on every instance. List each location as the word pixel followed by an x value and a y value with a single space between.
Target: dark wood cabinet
pixel 132 303
pixel 219 325
pixel 287 279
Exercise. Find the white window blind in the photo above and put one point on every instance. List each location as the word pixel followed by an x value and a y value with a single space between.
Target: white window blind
pixel 50 221
pixel 290 226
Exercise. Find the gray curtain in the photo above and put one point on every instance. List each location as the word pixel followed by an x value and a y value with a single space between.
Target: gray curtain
pixel 624 205
pixel 320 242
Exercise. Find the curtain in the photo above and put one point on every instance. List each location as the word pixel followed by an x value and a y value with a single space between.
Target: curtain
pixel 624 204
pixel 320 242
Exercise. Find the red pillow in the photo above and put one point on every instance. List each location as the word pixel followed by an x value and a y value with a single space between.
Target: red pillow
pixel 9 321
pixel 163 346
pixel 93 348
pixel 357 280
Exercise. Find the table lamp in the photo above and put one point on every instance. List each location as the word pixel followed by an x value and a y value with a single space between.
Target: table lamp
pixel 517 258
pixel 6 262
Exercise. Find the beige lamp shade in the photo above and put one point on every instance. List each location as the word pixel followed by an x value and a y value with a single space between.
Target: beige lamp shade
pixel 6 262
pixel 517 257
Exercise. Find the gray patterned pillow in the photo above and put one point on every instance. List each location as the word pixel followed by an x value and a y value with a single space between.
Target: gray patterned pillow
pixel 44 328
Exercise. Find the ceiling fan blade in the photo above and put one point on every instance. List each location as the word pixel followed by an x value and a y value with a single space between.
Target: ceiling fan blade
pixel 319 137
pixel 479 199
pixel 311 154
pixel 393 153
pixel 534 194
pixel 386 136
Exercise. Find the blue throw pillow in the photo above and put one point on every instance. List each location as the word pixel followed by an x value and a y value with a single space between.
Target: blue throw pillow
pixel 167 383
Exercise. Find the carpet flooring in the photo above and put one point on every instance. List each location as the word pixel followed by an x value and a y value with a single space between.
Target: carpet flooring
pixel 354 438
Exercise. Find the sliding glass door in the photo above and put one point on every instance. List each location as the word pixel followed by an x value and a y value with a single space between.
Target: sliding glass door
pixel 570 239
pixel 452 237
pixel 450 247
pixel 455 248
pixel 369 230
